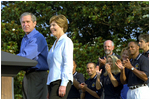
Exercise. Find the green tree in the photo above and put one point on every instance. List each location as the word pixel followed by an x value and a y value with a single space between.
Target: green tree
pixel 87 19
pixel 90 24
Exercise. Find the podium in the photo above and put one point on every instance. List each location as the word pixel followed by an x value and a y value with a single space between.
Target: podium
pixel 10 66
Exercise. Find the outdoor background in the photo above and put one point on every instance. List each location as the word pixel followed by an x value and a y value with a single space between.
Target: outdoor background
pixel 90 24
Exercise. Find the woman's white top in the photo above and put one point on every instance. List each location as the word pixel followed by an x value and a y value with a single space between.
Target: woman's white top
pixel 60 61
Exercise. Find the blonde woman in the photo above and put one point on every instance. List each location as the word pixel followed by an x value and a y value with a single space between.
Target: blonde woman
pixel 60 60
pixel 110 80
pixel 124 56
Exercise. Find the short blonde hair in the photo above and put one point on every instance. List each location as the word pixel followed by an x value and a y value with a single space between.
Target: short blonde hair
pixel 61 20
pixel 114 69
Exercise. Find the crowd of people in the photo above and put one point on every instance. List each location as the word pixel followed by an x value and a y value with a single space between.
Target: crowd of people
pixel 124 76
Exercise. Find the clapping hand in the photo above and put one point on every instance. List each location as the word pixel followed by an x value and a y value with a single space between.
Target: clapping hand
pixel 127 64
pixel 102 61
pixel 83 86
pixel 119 64
pixel 99 72
pixel 108 68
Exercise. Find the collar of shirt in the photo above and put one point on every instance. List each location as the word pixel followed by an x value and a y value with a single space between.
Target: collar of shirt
pixel 32 33
pixel 113 54
pixel 137 58
pixel 75 74
pixel 64 35
pixel 93 77
pixel 147 52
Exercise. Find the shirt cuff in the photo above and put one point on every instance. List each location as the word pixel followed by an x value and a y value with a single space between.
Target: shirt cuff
pixel 64 83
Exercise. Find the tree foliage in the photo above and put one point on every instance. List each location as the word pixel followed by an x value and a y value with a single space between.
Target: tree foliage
pixel 90 24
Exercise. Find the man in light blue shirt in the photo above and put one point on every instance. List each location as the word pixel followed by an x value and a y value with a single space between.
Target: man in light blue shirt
pixel 34 46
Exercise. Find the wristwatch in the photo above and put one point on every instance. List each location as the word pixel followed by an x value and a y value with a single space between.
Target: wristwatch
pixel 132 68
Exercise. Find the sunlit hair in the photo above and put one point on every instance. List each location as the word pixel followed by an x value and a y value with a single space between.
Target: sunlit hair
pixel 126 48
pixel 114 69
pixel 33 17
pixel 144 37
pixel 61 20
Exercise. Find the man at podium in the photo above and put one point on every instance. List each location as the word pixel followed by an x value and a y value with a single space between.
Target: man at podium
pixel 34 46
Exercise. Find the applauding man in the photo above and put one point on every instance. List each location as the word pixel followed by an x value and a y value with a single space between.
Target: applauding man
pixel 135 73
pixel 88 88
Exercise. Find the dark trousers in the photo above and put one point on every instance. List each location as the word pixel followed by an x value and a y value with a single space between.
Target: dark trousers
pixel 53 89
pixel 34 85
